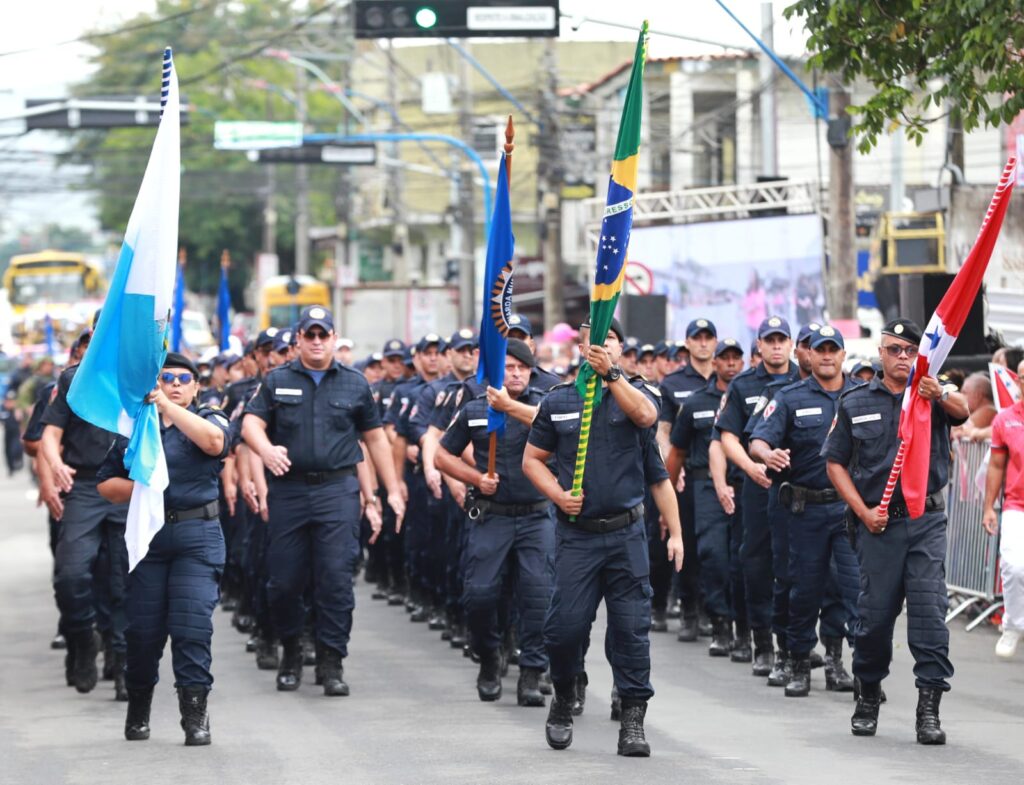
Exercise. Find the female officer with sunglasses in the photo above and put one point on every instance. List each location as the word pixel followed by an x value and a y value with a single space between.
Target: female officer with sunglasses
pixel 174 589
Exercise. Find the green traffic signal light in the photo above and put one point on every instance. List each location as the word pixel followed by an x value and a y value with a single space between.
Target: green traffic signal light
pixel 426 17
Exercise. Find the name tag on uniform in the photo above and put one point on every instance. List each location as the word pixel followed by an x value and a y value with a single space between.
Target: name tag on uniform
pixel 752 399
pixel 866 418
pixel 704 415
pixel 477 423
pixel 808 412
pixel 683 393
pixel 287 391
pixel 564 417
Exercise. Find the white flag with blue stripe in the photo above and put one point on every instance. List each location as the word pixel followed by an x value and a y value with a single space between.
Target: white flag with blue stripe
pixel 130 343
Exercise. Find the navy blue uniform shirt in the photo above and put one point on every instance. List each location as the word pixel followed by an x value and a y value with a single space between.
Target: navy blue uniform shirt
pixel 743 395
pixel 470 426
pixel 403 395
pixel 613 478
pixel 798 419
pixel 455 396
pixel 865 438
pixel 430 398
pixel 34 427
pixel 85 445
pixel 676 388
pixel 318 423
pixel 543 380
pixel 695 422
pixel 382 391
pixel 193 474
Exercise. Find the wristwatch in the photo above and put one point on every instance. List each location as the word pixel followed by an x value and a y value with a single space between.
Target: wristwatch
pixel 613 374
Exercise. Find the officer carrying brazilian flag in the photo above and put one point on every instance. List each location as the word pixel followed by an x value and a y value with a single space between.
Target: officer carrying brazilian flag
pixel 600 538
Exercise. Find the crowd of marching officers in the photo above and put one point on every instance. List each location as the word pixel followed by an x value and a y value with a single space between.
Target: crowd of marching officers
pixel 293 469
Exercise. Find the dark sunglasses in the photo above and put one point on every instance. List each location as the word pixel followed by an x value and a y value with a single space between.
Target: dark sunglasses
pixel 185 377
pixel 315 335
pixel 896 351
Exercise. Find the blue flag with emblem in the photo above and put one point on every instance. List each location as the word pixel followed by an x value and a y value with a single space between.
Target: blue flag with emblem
pixel 497 297
pixel 130 341
pixel 179 308
pixel 223 310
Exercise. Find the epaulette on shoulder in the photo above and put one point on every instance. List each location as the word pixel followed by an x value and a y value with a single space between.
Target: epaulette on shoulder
pixel 641 381
pixel 789 385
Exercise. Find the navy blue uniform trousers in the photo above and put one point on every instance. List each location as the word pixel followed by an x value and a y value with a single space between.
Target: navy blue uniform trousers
pixel 313 528
pixel 498 545
pixel 718 548
pixel 756 555
pixel 614 566
pixel 906 561
pixel 173 591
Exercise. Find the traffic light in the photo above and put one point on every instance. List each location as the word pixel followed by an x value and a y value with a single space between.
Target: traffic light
pixel 456 18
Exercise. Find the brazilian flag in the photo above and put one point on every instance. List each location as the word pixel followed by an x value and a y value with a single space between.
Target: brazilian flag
pixel 618 216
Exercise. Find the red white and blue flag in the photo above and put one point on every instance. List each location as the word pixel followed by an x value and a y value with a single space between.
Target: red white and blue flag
pixel 915 429
pixel 1005 391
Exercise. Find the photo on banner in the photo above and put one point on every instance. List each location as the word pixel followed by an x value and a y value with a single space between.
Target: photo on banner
pixel 736 272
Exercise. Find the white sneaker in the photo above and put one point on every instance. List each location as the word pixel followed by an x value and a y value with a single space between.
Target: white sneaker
pixel 1007 645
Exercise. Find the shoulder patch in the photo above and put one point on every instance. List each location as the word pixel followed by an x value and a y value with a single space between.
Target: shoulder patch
pixel 439 398
pixel 653 389
pixel 832 427
pixel 53 394
pixel 770 410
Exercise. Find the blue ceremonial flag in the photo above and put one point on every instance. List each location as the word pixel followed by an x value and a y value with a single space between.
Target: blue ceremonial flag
pixel 223 310
pixel 497 297
pixel 179 307
pixel 130 342
pixel 48 336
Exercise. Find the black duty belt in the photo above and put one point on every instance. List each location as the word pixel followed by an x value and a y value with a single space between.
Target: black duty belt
pixel 934 502
pixel 702 473
pixel 207 512
pixel 318 478
pixel 478 507
pixel 82 473
pixel 796 497
pixel 604 525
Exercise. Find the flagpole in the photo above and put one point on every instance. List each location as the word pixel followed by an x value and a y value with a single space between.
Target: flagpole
pixel 225 265
pixel 510 133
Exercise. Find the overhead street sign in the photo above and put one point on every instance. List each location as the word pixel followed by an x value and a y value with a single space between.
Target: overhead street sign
pixel 116 111
pixel 337 154
pixel 456 18
pixel 493 19
pixel 258 135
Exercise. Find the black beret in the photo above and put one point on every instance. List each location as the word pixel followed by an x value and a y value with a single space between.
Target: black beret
pixel 903 328
pixel 614 327
pixel 521 352
pixel 176 360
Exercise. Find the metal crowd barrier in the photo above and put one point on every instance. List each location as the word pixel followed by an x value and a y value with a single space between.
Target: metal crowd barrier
pixel 972 555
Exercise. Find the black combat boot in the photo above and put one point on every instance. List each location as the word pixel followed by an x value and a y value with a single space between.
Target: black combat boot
pixel 659 620
pixel 689 624
pixel 799 685
pixel 856 692
pixel 865 716
pixel 558 728
pixel 817 661
pixel 419 613
pixel 721 637
pixel 58 641
pixel 741 651
pixel 705 627
pixel 194 719
pixel 488 681
pixel 616 713
pixel 632 742
pixel 580 693
pixel 120 690
pixel 782 670
pixel 331 671
pixel 929 729
pixel 546 687
pixel 107 673
pixel 837 679
pixel 435 619
pixel 136 723
pixel 764 653
pixel 459 638
pixel 86 649
pixel 289 673
pixel 309 647
pixel 528 690
pixel 267 658
pixel 381 592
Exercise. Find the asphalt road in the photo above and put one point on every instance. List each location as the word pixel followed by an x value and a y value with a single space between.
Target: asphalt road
pixel 413 716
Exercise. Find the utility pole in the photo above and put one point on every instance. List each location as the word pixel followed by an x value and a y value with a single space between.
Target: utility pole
pixel 467 252
pixel 399 230
pixel 301 187
pixel 549 182
pixel 842 278
pixel 769 118
pixel 269 243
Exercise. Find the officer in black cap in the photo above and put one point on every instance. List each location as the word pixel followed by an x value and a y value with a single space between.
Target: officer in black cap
pixel 173 590
pixel 718 530
pixel 802 348
pixel 628 360
pixel 601 541
pixel 788 436
pixel 745 391
pixel 895 552
pixel 519 327
pixel 510 528
pixel 305 422
pixel 701 339
pixel 645 362
pixel 863 370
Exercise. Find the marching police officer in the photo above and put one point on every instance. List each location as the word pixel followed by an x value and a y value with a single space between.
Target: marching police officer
pixel 600 540
pixel 511 528
pixel 305 423
pixel 775 345
pixel 519 327
pixel 174 589
pixel 717 532
pixel 789 435
pixel 900 559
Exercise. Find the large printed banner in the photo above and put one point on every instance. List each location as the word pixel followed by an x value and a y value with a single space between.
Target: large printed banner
pixel 736 272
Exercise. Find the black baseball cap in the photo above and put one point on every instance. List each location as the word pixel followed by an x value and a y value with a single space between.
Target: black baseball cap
pixel 806 330
pixel 519 322
pixel 697 325
pixel 266 337
pixel 663 348
pixel 462 338
pixel 394 348
pixel 773 325
pixel 904 329
pixel 430 339
pixel 316 316
pixel 647 348
pixel 726 344
pixel 631 345
pixel 282 340
pixel 827 334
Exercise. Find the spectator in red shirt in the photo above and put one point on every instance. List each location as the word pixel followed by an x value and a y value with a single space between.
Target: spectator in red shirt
pixel 1006 472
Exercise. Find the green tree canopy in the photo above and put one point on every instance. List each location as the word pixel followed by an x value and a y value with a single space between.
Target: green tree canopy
pixel 967 55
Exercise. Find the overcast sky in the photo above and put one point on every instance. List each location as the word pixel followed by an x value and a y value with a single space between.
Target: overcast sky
pixel 48 67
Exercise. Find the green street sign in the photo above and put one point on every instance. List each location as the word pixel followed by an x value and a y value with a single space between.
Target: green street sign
pixel 258 135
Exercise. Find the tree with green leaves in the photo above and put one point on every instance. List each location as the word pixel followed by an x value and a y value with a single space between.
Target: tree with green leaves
pixel 961 56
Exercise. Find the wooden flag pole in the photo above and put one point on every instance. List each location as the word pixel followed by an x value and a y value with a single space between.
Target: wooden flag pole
pixel 225 259
pixel 510 134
